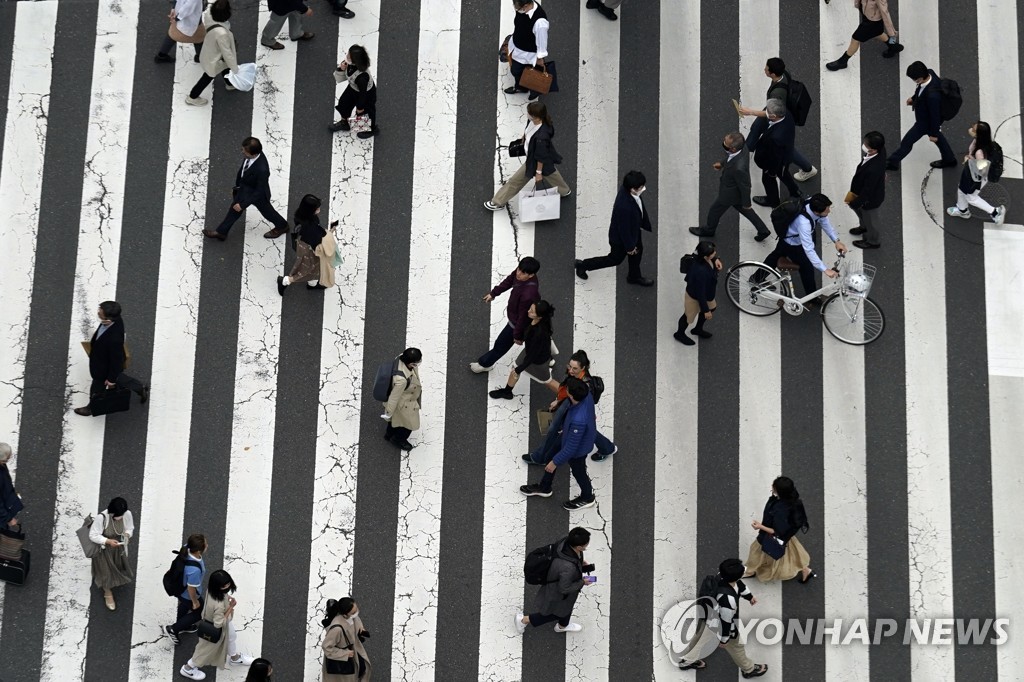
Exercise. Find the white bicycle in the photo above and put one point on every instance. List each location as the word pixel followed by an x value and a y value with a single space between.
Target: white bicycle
pixel 847 312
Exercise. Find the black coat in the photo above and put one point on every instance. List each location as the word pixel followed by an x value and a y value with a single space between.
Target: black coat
pixel 563 583
pixel 311 232
pixel 106 360
pixel 281 7
pixel 734 182
pixel 701 283
pixel 627 220
pixel 541 151
pixel 782 517
pixel 774 148
pixel 255 184
pixel 869 183
pixel 10 503
pixel 927 105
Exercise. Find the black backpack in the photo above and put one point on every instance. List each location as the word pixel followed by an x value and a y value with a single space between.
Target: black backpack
pixel 798 100
pixel 174 578
pixel 382 382
pixel 995 163
pixel 596 388
pixel 785 213
pixel 950 100
pixel 538 564
pixel 685 262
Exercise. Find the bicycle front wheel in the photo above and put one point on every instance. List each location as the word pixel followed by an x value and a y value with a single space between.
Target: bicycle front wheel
pixel 747 284
pixel 854 320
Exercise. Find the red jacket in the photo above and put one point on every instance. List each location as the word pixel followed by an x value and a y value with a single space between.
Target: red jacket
pixel 524 294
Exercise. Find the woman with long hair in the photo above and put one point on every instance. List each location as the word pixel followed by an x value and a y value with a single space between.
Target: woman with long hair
pixel 345 657
pixel 111 530
pixel 308 237
pixel 535 358
pixel 260 671
pixel 974 176
pixel 783 516
pixel 218 612
pixel 541 159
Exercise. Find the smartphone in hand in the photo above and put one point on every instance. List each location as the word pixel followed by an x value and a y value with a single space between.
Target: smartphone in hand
pixel 590 579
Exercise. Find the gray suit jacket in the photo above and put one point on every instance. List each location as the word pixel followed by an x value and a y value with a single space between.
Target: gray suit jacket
pixel 734 183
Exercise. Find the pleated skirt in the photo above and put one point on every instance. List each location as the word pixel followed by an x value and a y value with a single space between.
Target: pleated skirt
pixel 788 567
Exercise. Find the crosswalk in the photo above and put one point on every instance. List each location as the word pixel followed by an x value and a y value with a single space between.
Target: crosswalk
pixel 261 432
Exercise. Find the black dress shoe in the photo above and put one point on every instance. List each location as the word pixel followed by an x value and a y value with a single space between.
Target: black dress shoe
pixel 533 95
pixel 512 90
pixel 701 232
pixel 701 333
pixel 144 394
pixel 943 164
pixel 213 234
pixel 641 282
pixel 281 286
pixel 761 236
pixel 592 4
pixel 581 271
pixel 862 244
pixel 84 411
pixel 762 201
pixel 892 166
pixel 607 13
pixel 857 230
pixel 367 134
pixel 339 126
pixel 343 12
pixel 163 58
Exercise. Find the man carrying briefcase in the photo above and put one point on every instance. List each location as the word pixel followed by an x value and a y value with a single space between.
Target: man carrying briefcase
pixel 111 388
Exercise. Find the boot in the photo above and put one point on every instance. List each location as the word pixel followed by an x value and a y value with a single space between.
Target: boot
pixel 499 393
pixel 893 50
pixel 698 329
pixel 680 334
pixel 839 63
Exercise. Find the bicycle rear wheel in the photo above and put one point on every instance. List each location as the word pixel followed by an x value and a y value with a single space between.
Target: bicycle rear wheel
pixel 851 319
pixel 746 284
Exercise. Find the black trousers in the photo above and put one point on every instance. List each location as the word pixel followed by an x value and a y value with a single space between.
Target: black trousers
pixel 770 180
pixel 122 381
pixel 397 432
pixel 265 209
pixel 347 104
pixel 798 256
pixel 186 616
pixel 204 81
pixel 617 255
pixel 538 619
pixel 719 208
pixel 916 132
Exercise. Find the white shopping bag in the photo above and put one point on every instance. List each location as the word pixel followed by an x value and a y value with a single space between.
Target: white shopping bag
pixel 539 204
pixel 245 78
pixel 359 123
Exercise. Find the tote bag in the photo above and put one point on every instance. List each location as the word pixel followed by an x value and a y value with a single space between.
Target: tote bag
pixel 540 204
pixel 89 548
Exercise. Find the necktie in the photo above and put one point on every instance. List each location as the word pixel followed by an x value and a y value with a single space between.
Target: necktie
pixel 245 166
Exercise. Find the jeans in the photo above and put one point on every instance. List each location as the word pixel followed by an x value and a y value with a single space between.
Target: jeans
pixel 502 344
pixel 617 255
pixel 186 616
pixel 916 132
pixel 579 472
pixel 543 453
pixel 800 161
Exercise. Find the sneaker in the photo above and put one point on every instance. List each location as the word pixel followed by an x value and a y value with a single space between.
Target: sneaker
pixel 533 490
pixel 491 206
pixel 955 212
pixel 478 368
pixel 166 629
pixel 598 457
pixel 520 625
pixel 759 669
pixel 803 176
pixel 501 393
pixel 192 673
pixel 999 216
pixel 341 125
pixel 242 660
pixel 571 627
pixel 579 503
pixel 196 101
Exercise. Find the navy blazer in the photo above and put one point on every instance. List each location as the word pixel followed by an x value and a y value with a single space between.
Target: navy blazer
pixel 106 360
pixel 628 220
pixel 10 503
pixel 255 184
pixel 701 283
pixel 282 7
pixel 541 151
pixel 869 183
pixel 927 105
pixel 774 148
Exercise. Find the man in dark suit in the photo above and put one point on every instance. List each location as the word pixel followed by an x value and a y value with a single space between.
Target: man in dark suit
pixel 733 190
pixel 252 188
pixel 927 104
pixel 629 217
pixel 773 152
pixel 867 189
pixel 106 359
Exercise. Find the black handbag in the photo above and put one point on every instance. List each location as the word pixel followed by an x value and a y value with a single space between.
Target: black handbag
pixel 208 631
pixel 771 546
pixel 346 667
pixel 516 148
pixel 110 400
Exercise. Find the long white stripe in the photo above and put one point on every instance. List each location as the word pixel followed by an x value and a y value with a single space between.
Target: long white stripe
pixel 341 352
pixel 21 178
pixel 174 350
pixel 999 77
pixel 675 480
pixel 259 340
pixel 99 243
pixel 419 504
pixel 924 278
pixel 586 653
pixel 508 422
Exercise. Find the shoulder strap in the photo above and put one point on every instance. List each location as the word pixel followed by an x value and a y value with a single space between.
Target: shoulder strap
pixel 348 642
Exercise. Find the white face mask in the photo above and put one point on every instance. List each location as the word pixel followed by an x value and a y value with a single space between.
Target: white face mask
pixel 353 616
pixel 638 192
pixel 864 150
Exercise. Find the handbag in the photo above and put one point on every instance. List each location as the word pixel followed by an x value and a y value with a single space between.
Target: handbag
pixel 540 204
pixel 516 148
pixel 359 123
pixel 175 34
pixel 89 548
pixel 503 50
pixel 205 629
pixel 543 80
pixel 110 401
pixel 771 546
pixel 11 542
pixel 334 666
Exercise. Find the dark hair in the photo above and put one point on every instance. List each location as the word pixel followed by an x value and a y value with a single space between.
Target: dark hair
pixel 735 140
pixel 259 671
pixel 220 10
pixel 731 570
pixel 917 70
pixel 529 265
pixel 788 494
pixel 252 144
pixel 360 58
pixel 983 137
pixel 545 311
pixel 218 588
pixel 111 309
pixel 819 202
pixel 705 249
pixel 117 507
pixel 580 356
pixel 196 542
pixel 776 66
pixel 307 208
pixel 577 388
pixel 538 109
pixel 411 355
pixel 578 537
pixel 337 607
pixel 634 180
pixel 875 140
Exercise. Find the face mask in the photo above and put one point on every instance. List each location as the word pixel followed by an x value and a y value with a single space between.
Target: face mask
pixel 353 616
pixel 864 150
pixel 640 191
pixel 726 148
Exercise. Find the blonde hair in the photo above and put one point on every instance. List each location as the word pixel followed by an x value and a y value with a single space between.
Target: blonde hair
pixel 5 453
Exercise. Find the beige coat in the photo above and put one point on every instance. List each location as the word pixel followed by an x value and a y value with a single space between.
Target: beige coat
pixel 339 643
pixel 325 252
pixel 218 47
pixel 404 402
pixel 207 653
pixel 875 10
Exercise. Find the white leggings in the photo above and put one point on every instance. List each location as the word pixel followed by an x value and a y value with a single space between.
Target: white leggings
pixel 232 643
pixel 974 199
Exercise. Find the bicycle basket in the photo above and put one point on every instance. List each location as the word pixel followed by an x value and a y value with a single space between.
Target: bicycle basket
pixel 858 279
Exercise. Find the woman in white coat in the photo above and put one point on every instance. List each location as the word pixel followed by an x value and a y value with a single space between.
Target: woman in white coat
pixel 111 530
pixel 345 657
pixel 218 610
pixel 220 55
pixel 186 27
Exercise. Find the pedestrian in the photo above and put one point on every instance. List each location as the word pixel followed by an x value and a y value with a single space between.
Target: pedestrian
pixel 927 105
pixel 339 9
pixel 402 410
pixel 773 152
pixel 541 158
pixel 535 357
pixel 345 657
pixel 557 597
pixel 190 601
pixel 579 431
pixel 605 8
pixel 798 244
pixel 875 24
pixel 699 298
pixel 783 516
pixel 974 176
pixel 293 11
pixel 186 19
pixel 867 190
pixel 252 188
pixel 730 589
pixel 528 45
pixel 314 249
pixel 775 70
pixel 260 671
pixel 733 190
pixel 360 92
pixel 107 358
pixel 10 500
pixel 111 530
pixel 629 217
pixel 578 367
pixel 218 611
pixel 220 55
pixel 525 291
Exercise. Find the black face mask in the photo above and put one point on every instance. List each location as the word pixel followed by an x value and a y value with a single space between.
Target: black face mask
pixel 726 148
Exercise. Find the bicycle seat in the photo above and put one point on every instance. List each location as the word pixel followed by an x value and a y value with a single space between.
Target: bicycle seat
pixel 786 264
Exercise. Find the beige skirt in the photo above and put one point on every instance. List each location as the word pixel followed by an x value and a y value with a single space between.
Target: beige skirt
pixel 788 567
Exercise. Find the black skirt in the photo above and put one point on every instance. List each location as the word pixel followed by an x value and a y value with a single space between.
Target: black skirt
pixel 869 30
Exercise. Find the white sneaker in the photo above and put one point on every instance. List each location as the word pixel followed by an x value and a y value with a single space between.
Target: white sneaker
pixel 228 86
pixel 196 102
pixel 802 176
pixel 1000 215
pixel 571 627
pixel 478 368
pixel 520 625
pixel 957 213
pixel 193 673
pixel 242 660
